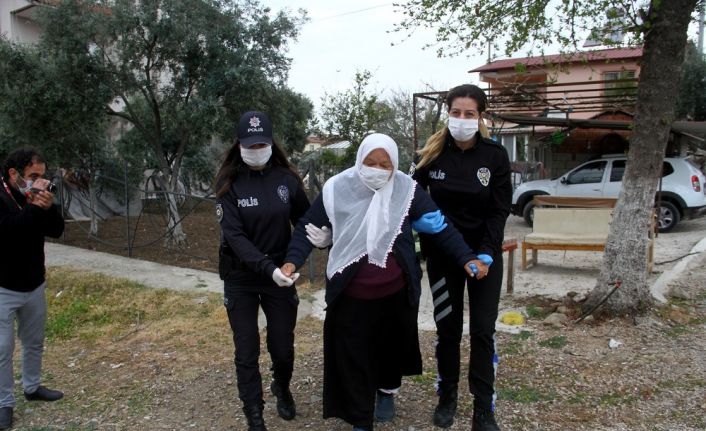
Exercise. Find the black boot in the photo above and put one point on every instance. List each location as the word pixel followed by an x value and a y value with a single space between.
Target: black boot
pixel 253 413
pixel 285 402
pixel 484 420
pixel 446 409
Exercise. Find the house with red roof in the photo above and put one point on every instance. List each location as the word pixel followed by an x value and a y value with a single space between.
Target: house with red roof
pixel 561 110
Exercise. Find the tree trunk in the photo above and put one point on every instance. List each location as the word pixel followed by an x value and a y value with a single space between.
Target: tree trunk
pixel 625 257
pixel 175 234
pixel 93 197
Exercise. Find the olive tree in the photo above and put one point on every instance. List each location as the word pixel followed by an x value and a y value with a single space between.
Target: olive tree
pixel 179 72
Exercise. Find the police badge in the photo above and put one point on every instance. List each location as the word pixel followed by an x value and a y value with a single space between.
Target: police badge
pixel 219 212
pixel 283 193
pixel 484 176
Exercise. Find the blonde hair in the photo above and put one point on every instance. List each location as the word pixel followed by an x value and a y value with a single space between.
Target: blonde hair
pixel 431 150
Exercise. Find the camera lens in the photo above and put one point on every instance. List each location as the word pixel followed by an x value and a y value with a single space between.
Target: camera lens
pixel 51 188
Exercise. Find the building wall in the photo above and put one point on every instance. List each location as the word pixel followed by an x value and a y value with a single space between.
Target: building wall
pixel 16 21
pixel 576 72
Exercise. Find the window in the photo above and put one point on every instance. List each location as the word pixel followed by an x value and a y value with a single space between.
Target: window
pixel 617 171
pixel 587 174
pixel 622 92
pixel 667 169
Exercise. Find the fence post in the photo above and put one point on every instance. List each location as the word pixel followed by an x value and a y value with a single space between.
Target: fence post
pixel 60 180
pixel 127 214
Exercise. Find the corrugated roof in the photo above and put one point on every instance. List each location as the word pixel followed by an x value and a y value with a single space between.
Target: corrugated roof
pixel 338 146
pixel 599 55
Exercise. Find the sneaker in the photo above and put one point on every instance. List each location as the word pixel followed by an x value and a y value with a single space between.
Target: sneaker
pixel 446 409
pixel 484 420
pixel 285 402
pixel 5 418
pixel 253 413
pixel 384 407
pixel 44 394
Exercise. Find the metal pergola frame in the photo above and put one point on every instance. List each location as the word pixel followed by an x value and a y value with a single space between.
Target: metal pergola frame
pixel 528 104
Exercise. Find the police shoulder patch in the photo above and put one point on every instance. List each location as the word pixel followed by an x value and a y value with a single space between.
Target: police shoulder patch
pixel 219 212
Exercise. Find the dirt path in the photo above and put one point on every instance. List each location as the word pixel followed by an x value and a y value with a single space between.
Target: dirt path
pixel 178 374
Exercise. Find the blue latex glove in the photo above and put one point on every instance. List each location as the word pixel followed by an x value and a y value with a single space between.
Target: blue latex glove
pixel 474 268
pixel 432 222
pixel 487 260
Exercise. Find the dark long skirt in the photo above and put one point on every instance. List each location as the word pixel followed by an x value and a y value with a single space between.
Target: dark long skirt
pixel 368 344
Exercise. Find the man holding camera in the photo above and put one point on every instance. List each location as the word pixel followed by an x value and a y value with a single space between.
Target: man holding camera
pixel 27 215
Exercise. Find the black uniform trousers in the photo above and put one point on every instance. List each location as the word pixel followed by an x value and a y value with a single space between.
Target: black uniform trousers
pixel 368 344
pixel 447 283
pixel 280 307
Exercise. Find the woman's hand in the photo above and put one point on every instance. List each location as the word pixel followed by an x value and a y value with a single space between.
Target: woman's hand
pixel 320 238
pixel 476 268
pixel 281 279
pixel 288 269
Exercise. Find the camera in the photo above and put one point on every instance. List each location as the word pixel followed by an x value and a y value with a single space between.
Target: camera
pixel 51 188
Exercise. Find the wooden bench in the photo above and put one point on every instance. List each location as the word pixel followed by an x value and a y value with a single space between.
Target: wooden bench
pixel 573 201
pixel 509 246
pixel 566 229
pixel 582 229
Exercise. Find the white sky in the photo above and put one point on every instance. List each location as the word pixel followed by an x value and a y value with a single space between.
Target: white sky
pixel 343 37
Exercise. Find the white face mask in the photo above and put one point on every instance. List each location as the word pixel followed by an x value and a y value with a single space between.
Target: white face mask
pixel 257 157
pixel 374 178
pixel 462 130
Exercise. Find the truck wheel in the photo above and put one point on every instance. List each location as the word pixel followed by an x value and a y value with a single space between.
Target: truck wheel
pixel 668 216
pixel 528 213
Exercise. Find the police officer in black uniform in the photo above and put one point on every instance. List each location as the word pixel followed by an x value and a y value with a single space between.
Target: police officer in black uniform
pixel 468 177
pixel 259 197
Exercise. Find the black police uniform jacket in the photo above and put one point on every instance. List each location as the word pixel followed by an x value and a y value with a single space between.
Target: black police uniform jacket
pixel 256 216
pixel 23 227
pixel 473 189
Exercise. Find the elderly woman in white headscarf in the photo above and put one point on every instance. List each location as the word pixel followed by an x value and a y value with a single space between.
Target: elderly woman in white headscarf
pixel 372 279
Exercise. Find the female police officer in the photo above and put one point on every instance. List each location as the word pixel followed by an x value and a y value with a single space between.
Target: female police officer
pixel 258 196
pixel 468 177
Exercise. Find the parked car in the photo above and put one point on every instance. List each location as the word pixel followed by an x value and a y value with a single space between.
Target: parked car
pixel 683 192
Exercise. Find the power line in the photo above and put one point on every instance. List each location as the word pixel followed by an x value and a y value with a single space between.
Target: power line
pixel 353 12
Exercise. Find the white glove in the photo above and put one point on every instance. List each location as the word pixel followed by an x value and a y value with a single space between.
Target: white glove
pixel 281 279
pixel 320 238
pixel 295 276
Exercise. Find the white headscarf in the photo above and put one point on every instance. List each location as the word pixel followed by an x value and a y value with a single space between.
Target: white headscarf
pixel 363 220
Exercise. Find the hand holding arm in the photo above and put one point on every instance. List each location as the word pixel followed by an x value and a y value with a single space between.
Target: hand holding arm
pixel 320 238
pixel 431 223
pixel 486 259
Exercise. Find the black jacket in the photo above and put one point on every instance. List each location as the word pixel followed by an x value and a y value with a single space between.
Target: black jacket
pixel 473 189
pixel 22 232
pixel 255 217
pixel 447 240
